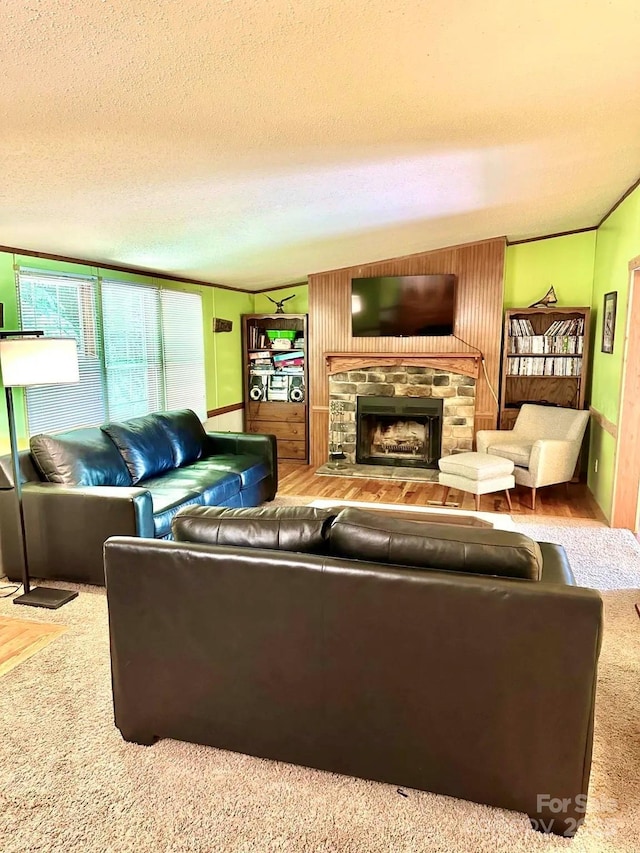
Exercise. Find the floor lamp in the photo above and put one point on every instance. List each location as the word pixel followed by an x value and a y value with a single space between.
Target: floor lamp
pixel 30 358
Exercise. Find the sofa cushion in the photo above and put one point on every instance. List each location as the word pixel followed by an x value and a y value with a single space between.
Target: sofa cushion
pixel 518 452
pixel 298 528
pixel 251 469
pixel 186 434
pixel 213 486
pixel 80 457
pixel 361 535
pixel 163 517
pixel 144 444
pixel 186 487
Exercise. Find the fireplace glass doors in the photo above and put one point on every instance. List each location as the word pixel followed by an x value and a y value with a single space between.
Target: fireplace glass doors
pixel 403 431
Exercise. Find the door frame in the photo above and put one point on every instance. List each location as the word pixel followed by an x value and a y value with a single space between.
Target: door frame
pixel 625 509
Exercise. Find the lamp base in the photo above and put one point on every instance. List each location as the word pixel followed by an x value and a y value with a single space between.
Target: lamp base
pixel 46 596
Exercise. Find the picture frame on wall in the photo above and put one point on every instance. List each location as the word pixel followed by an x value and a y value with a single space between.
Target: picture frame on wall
pixel 609 321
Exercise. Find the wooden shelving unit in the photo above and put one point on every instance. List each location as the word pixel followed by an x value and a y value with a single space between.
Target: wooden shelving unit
pixel 276 397
pixel 542 368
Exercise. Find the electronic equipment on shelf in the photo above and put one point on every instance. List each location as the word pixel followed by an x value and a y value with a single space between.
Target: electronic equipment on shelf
pixel 278 390
pixel 296 389
pixel 257 388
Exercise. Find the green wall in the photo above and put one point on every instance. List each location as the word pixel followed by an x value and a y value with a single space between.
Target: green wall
pixel 618 241
pixel 231 305
pixel 225 370
pixel 298 305
pixel 8 298
pixel 566 263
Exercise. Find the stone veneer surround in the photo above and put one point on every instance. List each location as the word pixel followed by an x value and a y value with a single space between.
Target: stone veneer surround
pixel 457 392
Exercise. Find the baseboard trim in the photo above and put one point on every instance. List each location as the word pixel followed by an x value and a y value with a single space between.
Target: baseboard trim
pixel 223 410
pixel 604 422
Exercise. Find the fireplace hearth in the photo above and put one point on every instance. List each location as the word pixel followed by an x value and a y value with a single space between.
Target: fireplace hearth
pixel 395 431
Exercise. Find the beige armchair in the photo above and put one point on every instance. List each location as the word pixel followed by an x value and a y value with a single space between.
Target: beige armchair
pixel 544 444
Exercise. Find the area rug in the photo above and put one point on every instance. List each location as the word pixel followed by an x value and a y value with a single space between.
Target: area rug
pixel 69 783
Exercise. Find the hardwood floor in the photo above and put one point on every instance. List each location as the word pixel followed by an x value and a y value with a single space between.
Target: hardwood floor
pixel 573 501
pixel 19 639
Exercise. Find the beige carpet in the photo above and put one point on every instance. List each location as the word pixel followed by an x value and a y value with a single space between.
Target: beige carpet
pixel 69 783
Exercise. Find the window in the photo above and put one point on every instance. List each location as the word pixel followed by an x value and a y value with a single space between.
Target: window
pixel 141 349
pixel 67 307
pixel 183 353
pixel 133 349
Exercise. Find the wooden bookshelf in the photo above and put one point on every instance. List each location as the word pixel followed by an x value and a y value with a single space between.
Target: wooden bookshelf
pixel 275 399
pixel 538 367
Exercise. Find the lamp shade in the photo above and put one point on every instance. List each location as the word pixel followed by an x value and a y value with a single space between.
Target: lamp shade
pixel 38 361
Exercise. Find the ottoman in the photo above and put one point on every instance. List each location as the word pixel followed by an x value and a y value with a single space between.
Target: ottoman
pixel 477 473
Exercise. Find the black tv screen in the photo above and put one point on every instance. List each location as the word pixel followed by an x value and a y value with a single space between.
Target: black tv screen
pixel 400 306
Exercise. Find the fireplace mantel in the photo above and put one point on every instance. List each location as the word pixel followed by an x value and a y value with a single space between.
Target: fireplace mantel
pixel 465 363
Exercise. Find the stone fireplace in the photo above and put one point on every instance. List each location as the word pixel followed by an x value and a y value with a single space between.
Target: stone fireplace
pixel 402 431
pixel 430 413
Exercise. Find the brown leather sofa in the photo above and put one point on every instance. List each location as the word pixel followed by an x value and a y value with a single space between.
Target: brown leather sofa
pixel 127 478
pixel 455 660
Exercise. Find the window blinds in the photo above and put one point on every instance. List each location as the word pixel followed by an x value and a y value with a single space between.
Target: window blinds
pixel 133 349
pixel 141 349
pixel 183 351
pixel 65 306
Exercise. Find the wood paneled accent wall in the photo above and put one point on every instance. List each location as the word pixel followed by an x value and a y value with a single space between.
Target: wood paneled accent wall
pixel 480 271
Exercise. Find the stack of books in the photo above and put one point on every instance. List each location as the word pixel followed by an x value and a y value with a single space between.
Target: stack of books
pixel 257 338
pixel 535 366
pixel 554 344
pixel 563 338
pixel 289 362
pixel 260 362
pixel 567 327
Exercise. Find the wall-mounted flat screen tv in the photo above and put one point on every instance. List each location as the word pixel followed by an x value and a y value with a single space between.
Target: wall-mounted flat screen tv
pixel 401 306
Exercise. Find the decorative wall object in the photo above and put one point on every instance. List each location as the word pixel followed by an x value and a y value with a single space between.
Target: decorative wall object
pixel 609 321
pixel 279 303
pixel 547 300
pixel 222 325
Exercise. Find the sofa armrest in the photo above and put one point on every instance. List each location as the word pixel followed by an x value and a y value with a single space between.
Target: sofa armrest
pixel 555 565
pixel 68 525
pixel 264 446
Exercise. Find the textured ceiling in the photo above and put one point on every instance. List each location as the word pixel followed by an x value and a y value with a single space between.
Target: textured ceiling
pixel 250 142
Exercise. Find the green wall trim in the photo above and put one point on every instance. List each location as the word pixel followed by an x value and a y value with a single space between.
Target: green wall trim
pixel 552 236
